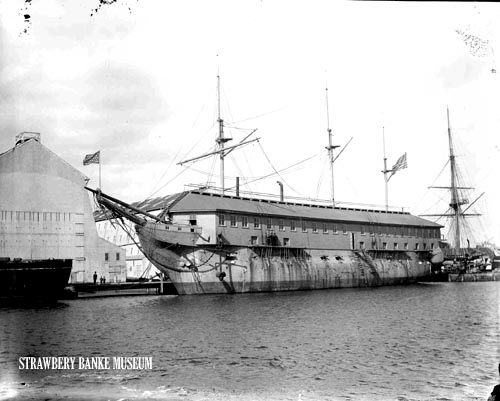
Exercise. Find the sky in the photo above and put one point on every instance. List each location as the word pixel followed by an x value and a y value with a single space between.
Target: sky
pixel 137 80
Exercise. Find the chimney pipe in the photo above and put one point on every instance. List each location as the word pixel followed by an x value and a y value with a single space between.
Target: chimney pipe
pixel 237 186
pixel 281 190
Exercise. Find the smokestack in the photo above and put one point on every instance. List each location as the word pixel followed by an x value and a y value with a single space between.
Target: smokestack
pixel 237 186
pixel 281 190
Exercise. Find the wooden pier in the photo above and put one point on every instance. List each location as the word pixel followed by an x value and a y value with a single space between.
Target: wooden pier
pixel 89 290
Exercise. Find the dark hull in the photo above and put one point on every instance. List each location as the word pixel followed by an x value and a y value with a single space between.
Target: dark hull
pixel 242 269
pixel 33 279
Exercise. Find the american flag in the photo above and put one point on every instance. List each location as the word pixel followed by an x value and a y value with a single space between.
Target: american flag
pixel 92 158
pixel 400 164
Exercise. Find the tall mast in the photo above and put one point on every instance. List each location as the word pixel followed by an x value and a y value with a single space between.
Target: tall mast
pixel 457 198
pixel 330 149
pixel 385 171
pixel 455 201
pixel 222 150
pixel 220 139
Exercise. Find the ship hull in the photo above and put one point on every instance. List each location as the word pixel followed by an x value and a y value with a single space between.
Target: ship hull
pixel 241 269
pixel 33 279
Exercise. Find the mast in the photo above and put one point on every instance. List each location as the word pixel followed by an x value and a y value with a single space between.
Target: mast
pixel 455 201
pixel 385 171
pixel 220 139
pixel 330 149
pixel 222 150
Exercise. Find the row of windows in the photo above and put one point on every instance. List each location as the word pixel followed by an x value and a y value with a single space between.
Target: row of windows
pixel 254 240
pixel 329 227
pixel 385 245
pixel 10 215
pixel 36 241
pixel 106 256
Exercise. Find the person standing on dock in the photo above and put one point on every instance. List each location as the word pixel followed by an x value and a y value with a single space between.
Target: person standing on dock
pixel 95 278
pixel 495 394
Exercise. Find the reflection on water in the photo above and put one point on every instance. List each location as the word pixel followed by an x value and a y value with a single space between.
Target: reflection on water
pixel 402 343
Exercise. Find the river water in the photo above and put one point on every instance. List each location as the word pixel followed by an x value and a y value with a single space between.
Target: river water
pixel 419 342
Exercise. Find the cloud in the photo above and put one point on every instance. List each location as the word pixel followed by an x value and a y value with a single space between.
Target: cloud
pixel 113 106
pixel 120 105
pixel 460 72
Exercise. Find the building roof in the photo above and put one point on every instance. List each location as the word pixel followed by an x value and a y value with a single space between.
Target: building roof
pixel 31 140
pixel 193 202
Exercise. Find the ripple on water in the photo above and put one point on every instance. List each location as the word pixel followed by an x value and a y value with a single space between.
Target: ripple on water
pixel 407 343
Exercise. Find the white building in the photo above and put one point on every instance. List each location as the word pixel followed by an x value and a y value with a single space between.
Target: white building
pixel 123 234
pixel 45 212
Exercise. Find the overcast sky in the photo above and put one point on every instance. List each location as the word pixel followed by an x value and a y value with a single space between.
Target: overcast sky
pixel 137 80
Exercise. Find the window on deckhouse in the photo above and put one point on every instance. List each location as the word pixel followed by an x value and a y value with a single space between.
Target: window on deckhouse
pixel 244 221
pixel 222 220
pixel 256 222
pixel 233 220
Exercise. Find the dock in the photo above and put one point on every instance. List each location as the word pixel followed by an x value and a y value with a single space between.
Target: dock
pixel 89 290
pixel 473 277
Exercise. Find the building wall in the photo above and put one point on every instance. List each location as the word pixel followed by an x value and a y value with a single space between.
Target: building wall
pixel 243 230
pixel 207 221
pixel 45 212
pixel 137 265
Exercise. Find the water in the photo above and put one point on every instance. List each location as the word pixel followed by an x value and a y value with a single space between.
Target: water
pixel 421 342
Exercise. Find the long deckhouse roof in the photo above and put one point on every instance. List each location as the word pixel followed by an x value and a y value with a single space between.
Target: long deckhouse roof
pixel 202 202
pixel 194 201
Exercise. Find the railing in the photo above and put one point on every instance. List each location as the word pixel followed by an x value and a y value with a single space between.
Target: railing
pixel 291 199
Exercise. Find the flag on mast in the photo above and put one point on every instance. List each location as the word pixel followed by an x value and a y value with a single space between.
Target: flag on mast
pixel 399 165
pixel 92 158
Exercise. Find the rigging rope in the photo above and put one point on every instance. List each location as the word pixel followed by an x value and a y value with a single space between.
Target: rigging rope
pixel 320 180
pixel 276 171
pixel 120 222
pixel 428 189
pixel 257 116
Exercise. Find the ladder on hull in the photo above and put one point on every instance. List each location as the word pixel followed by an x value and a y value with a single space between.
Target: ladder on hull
pixel 365 260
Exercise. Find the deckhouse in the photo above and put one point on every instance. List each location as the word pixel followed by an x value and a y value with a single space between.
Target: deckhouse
pixel 246 221
pixel 253 221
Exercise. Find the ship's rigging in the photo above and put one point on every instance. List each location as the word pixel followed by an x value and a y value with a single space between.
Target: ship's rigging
pixel 221 150
pixel 459 205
